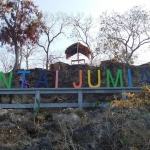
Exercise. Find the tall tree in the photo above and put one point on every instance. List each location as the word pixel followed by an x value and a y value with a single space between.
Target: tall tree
pixel 27 52
pixel 6 62
pixel 20 24
pixel 123 34
pixel 53 58
pixel 83 28
pixel 55 26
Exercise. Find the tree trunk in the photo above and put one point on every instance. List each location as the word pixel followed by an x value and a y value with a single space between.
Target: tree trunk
pixel 47 61
pixel 92 57
pixel 20 55
pixel 27 65
pixel 17 58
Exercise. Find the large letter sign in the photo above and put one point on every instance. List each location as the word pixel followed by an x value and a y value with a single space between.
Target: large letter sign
pixel 41 81
pixel 129 78
pixel 89 80
pixel 23 72
pixel 2 77
pixel 110 80
pixel 56 79
pixel 144 72
pixel 109 77
pixel 80 80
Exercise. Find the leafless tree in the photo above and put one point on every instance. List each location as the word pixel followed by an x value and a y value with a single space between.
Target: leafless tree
pixel 52 58
pixel 123 34
pixel 29 51
pixel 83 30
pixel 55 26
pixel 7 62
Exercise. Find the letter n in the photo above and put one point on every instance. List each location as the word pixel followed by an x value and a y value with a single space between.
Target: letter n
pixel 2 77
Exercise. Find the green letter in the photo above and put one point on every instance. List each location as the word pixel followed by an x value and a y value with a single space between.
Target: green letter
pixel 109 77
pixel 2 77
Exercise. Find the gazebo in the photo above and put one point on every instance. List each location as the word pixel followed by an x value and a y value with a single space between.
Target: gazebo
pixel 77 48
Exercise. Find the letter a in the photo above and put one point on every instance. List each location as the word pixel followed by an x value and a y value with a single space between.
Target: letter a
pixel 40 81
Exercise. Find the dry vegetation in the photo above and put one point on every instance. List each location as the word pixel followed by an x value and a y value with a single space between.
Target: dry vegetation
pixel 123 126
pixel 134 100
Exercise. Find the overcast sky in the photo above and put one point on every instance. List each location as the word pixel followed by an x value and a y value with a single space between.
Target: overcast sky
pixel 89 7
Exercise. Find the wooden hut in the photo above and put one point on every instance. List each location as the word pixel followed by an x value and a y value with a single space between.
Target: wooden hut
pixel 77 48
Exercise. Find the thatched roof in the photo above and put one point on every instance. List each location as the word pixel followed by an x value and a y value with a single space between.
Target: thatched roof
pixel 72 50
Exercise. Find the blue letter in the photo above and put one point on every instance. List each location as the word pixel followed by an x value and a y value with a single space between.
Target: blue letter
pixel 23 72
pixel 142 77
pixel 43 74
pixel 129 78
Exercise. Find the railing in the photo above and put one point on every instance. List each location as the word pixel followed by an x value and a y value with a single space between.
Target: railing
pixel 39 91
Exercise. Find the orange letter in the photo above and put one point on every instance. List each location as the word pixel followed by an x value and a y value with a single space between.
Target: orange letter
pixel 80 80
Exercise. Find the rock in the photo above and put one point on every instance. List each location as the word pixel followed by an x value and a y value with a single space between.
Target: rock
pixel 66 129
pixel 3 111
pixel 44 144
pixel 3 114
pixel 68 110
pixel 31 128
pixel 71 119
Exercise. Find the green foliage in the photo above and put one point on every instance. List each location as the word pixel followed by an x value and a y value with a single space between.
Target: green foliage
pixel 48 116
pixel 95 106
pixel 37 109
pixel 125 140
pixel 80 113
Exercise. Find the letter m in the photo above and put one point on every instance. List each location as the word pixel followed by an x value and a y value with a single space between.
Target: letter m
pixel 110 78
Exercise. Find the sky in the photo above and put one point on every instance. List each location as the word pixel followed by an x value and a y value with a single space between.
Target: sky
pixel 89 7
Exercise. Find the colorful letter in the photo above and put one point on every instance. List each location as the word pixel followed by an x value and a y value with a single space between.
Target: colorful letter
pixel 2 77
pixel 89 80
pixel 80 80
pixel 40 81
pixel 56 79
pixel 109 76
pixel 144 72
pixel 23 72
pixel 129 78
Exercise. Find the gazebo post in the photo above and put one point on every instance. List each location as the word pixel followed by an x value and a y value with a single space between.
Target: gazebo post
pixel 77 54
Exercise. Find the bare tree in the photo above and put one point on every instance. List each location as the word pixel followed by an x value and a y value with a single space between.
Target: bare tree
pixel 83 31
pixel 123 34
pixel 7 62
pixel 55 26
pixel 29 51
pixel 52 58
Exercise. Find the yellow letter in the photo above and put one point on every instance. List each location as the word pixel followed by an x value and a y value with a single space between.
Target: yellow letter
pixel 89 80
